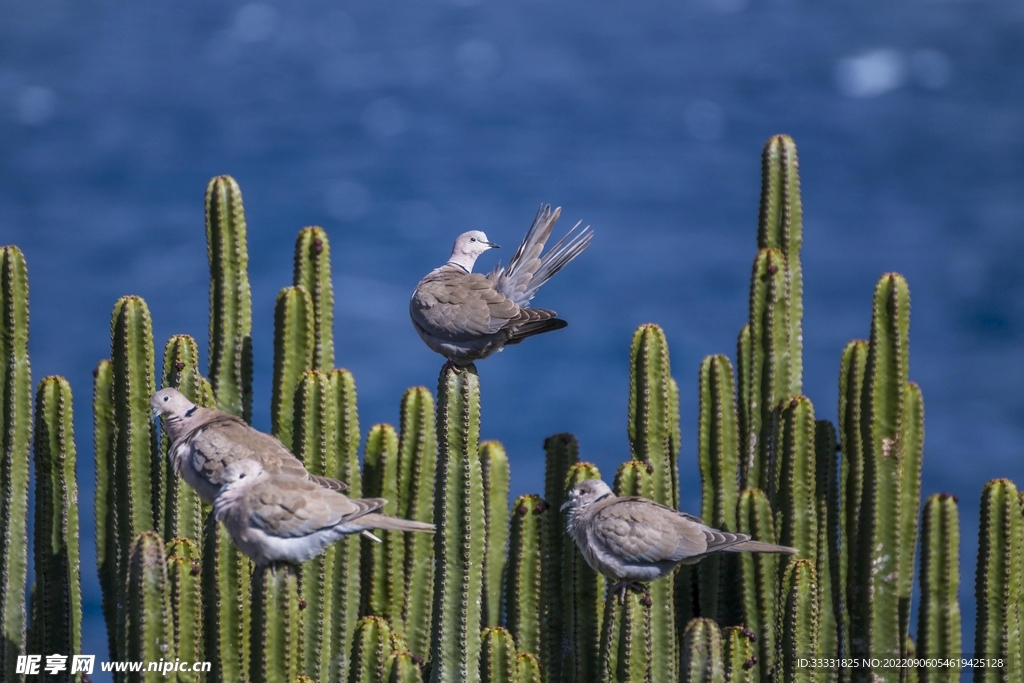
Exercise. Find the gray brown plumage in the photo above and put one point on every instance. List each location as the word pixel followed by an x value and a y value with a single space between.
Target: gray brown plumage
pixel 633 539
pixel 466 316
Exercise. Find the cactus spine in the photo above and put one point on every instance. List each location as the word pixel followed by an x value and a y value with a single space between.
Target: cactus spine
pixel 105 503
pixel 277 647
pixel 58 589
pixel 998 581
pixel 293 356
pixel 230 298
pixel 799 621
pixel 313 273
pixel 523 596
pixel 459 543
pixel 495 474
pixel 16 403
pixel 149 630
pixel 702 652
pixel 498 662
pixel 583 589
pixel 183 570
pixel 382 578
pixel 938 625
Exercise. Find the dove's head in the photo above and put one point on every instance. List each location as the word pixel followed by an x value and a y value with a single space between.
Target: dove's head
pixel 241 473
pixel 174 408
pixel 469 246
pixel 583 495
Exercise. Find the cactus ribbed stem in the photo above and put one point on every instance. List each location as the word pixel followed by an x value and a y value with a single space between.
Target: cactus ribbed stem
pixel 938 625
pixel 372 644
pixel 702 656
pixel 759 580
pixel 293 356
pixel 230 298
pixel 183 572
pixel 314 432
pixel 15 445
pixel 529 668
pixel 277 637
pixel 150 625
pixel 227 601
pixel 105 504
pixel 561 452
pixel 417 458
pixel 827 504
pixel 183 509
pixel 313 272
pixel 998 581
pixel 498 662
pixel 583 591
pixel 748 448
pixel 650 425
pixel 626 649
pixel 738 655
pixel 523 597
pixel 57 601
pixel 382 563
pixel 793 482
pixel 494 471
pixel 401 667
pixel 911 445
pixel 799 615
pixel 459 543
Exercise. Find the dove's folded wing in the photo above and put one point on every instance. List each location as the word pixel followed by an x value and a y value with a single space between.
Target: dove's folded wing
pixel 290 507
pixel 638 531
pixel 457 306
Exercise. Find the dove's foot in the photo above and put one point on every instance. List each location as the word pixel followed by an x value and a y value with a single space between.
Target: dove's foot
pixel 622 586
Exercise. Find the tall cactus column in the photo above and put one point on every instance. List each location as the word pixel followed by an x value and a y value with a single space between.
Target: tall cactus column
pixel 459 542
pixel 938 625
pixel 15 439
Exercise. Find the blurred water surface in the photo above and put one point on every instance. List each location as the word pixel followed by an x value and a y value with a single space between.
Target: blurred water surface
pixel 398 125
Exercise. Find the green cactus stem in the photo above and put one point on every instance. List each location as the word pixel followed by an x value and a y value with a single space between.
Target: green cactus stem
pixel 382 563
pixel 314 433
pixel 799 621
pixel 402 667
pixel 277 636
pixel 16 404
pixel 626 647
pixel 417 459
pixel 150 625
pixel 911 446
pixel 780 226
pixel 874 575
pixel 998 581
pixel 738 654
pixel 183 509
pixel 494 471
pixel 793 479
pixel 851 476
pixel 523 594
pixel 498 662
pixel 313 273
pixel 230 298
pixel 938 624
pixel 529 668
pixel 827 504
pixel 702 652
pixel 345 606
pixel 293 356
pixel 584 590
pixel 561 452
pixel 744 357
pixel 459 543
pixel 650 425
pixel 183 572
pixel 759 578
pixel 107 550
pixel 372 644
pixel 227 599
pixel 57 601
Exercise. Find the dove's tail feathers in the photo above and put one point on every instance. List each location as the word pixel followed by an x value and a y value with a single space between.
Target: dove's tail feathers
pixel 534 327
pixel 568 248
pixel 376 520
pixel 328 483
pixel 536 237
pixel 758 547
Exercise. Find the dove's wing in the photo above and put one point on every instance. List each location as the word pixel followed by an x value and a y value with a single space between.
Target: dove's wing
pixel 456 306
pixel 289 507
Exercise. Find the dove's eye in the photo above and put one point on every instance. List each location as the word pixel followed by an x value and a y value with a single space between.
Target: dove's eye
pixel 167 398
pixel 472 239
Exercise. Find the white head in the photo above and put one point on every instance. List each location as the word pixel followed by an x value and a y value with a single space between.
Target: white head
pixel 241 473
pixel 583 495
pixel 169 401
pixel 468 247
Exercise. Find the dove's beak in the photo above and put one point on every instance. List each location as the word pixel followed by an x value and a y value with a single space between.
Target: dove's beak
pixel 565 505
pixel 492 245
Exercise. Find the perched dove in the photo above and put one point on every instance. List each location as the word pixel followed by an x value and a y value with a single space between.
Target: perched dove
pixel 634 539
pixel 205 441
pixel 282 518
pixel 466 316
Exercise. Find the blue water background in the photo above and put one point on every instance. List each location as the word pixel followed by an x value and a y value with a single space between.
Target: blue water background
pixel 398 125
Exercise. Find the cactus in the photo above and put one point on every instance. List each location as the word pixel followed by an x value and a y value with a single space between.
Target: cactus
pixel 105 503
pixel 529 668
pixel 314 434
pixel 345 606
pixel 183 509
pixel 183 573
pixel 230 298
pixel 313 273
pixel 759 578
pixel 382 563
pixel 417 458
pixel 459 543
pixel 149 629
pixel 911 448
pixel 561 453
pixel 495 475
pixel 227 604
pixel 16 404
pixel 293 356
pixel 277 636
pixel 702 652
pixel 523 595
pixel 792 479
pixel 938 625
pixel 998 581
pixel 738 656
pixel 827 504
pixel 874 576
pixel 371 647
pixel 583 590
pixel 57 601
pixel 498 662
pixel 402 667
pixel 626 647
pixel 799 616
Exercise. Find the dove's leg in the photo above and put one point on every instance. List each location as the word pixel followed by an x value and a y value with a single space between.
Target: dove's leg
pixel 622 586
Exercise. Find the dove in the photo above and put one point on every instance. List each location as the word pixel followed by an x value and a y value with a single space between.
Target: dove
pixel 205 441
pixel 633 539
pixel 283 518
pixel 466 316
